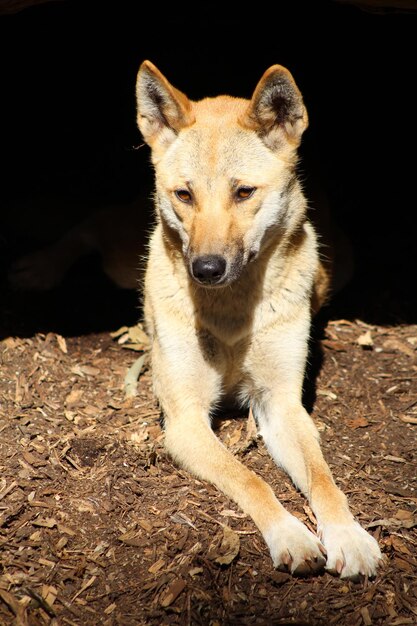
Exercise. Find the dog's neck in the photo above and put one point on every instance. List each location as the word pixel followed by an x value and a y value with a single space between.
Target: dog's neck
pixel 227 312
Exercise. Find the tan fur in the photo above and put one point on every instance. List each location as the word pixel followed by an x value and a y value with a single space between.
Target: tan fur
pixel 232 275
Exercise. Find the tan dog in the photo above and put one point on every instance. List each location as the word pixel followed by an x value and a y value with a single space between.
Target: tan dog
pixel 232 275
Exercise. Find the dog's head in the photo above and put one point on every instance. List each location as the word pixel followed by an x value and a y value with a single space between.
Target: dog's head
pixel 225 168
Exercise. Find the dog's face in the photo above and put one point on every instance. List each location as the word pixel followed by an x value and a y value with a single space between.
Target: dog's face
pixel 225 168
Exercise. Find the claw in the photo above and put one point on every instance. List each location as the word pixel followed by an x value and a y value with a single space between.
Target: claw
pixel 323 550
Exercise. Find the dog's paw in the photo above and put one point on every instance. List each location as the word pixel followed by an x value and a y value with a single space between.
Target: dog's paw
pixel 351 551
pixel 294 548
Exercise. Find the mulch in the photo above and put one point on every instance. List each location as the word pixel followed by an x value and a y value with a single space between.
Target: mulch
pixel 98 526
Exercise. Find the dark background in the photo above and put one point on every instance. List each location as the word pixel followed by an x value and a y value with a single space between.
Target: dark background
pixel 70 143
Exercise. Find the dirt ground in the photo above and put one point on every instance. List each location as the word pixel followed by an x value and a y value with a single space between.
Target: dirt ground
pixel 98 526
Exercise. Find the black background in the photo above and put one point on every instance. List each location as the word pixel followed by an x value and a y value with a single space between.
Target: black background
pixel 68 131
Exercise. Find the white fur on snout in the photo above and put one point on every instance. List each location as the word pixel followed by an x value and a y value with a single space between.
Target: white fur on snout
pixel 352 547
pixel 289 536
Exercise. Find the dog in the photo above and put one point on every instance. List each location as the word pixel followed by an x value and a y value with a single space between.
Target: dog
pixel 233 277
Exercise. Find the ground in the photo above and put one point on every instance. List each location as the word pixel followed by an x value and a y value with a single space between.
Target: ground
pixel 98 525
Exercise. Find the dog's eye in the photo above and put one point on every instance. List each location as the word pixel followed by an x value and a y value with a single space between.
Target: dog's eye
pixel 243 193
pixel 184 195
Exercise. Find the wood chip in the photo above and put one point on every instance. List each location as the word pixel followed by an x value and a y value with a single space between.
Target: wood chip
pixel 365 616
pixel 357 422
pixel 327 394
pixel 156 566
pixel 110 609
pixel 73 397
pixel 397 345
pixel 338 346
pixel 47 522
pixel 132 376
pixel 62 344
pixel 86 585
pixel 408 419
pixel 8 489
pixel 171 593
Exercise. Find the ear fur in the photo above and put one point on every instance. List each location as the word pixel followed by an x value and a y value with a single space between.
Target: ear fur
pixel 276 110
pixel 162 110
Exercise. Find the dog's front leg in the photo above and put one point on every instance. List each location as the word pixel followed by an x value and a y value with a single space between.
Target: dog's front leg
pixel 293 441
pixel 186 392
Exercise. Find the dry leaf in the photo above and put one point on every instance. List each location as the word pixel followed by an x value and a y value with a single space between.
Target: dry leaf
pixel 136 347
pixel 235 436
pixel 229 547
pixel 402 565
pixel 120 331
pixel 138 335
pixel 399 545
pixel 365 340
pixel 251 433
pixel 391 522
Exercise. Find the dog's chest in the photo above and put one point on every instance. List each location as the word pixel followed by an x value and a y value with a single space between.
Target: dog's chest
pixel 226 317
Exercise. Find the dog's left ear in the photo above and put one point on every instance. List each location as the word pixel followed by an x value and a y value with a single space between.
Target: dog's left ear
pixel 276 110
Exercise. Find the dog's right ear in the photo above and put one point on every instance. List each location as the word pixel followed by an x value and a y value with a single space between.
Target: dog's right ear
pixel 162 109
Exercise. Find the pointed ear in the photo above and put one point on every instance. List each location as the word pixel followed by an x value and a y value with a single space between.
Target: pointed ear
pixel 276 111
pixel 162 110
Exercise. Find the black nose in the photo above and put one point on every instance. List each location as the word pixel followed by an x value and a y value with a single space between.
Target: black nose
pixel 209 269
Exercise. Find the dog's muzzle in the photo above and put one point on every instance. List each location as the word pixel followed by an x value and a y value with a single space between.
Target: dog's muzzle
pixel 209 269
